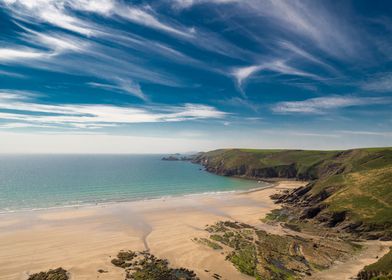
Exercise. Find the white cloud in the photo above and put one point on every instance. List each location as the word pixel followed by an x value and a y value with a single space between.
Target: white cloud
pixel 11 74
pixel 124 86
pixel 142 17
pixel 242 73
pixel 320 105
pixel 309 20
pixel 50 11
pixel 25 109
pixel 104 7
pixel 60 13
pixel 381 83
pixel 181 4
pixel 94 143
pixel 281 67
pixel 60 43
pixel 313 21
pixel 7 54
pixel 242 103
pixel 367 133
pixel 303 53
pixel 14 125
pixel 93 42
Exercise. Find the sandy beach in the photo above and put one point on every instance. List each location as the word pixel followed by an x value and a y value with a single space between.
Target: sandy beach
pixel 85 239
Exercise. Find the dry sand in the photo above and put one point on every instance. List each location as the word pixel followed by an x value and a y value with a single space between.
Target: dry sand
pixel 85 239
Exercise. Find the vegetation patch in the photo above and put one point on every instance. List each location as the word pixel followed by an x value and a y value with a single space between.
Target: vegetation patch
pixel 208 242
pixel 276 215
pixel 52 274
pixel 268 256
pixel 145 266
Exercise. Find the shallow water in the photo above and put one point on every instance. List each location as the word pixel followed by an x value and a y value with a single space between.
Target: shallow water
pixel 46 181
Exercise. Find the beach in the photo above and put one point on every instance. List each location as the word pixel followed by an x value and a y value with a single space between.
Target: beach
pixel 83 240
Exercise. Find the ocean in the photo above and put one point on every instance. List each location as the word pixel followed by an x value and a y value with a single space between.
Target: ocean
pixel 29 182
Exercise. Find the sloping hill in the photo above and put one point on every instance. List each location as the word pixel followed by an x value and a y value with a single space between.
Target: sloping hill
pixel 351 190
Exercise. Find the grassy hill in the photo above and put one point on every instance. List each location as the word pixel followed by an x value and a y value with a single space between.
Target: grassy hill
pixel 349 189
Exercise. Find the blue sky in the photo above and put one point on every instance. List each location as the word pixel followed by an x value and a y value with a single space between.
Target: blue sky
pixel 188 75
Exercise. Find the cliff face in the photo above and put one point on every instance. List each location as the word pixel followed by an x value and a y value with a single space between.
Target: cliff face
pixel 348 190
pixel 262 164
pixel 281 171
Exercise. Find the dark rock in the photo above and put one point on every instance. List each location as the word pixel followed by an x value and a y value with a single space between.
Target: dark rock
pixel 170 158
pixel 144 266
pixel 311 212
pixel 332 219
pixel 52 274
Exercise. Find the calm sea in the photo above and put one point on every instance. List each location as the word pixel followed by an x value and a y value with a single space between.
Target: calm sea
pixel 46 181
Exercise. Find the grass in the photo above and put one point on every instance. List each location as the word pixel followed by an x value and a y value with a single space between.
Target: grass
pixel 275 215
pixel 205 241
pixel 245 259
pixel 268 256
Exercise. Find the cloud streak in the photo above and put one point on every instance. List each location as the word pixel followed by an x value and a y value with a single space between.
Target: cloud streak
pixel 27 111
pixel 381 83
pixel 321 105
pixel 241 74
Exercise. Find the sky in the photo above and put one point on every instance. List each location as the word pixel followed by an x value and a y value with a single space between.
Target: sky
pixel 163 76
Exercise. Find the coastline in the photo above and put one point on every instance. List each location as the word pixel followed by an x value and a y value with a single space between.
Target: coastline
pixel 271 184
pixel 85 239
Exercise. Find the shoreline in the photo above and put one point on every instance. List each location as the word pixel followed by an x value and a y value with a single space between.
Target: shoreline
pixel 85 239
pixel 270 184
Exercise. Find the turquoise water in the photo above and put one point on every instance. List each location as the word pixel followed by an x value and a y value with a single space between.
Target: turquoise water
pixel 45 181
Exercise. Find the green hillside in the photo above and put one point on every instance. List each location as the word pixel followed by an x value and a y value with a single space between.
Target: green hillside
pixel 349 189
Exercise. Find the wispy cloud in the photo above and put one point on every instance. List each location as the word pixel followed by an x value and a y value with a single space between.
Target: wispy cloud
pixel 25 110
pixel 380 83
pixel 310 20
pixel 241 74
pixel 11 74
pixel 368 133
pixel 321 105
pixel 124 86
pixel 286 45
pixel 145 18
pixel 61 14
pixel 182 4
pixel 241 103
pixel 311 134
pixel 60 52
pixel 7 54
pixel 99 52
pixel 49 11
